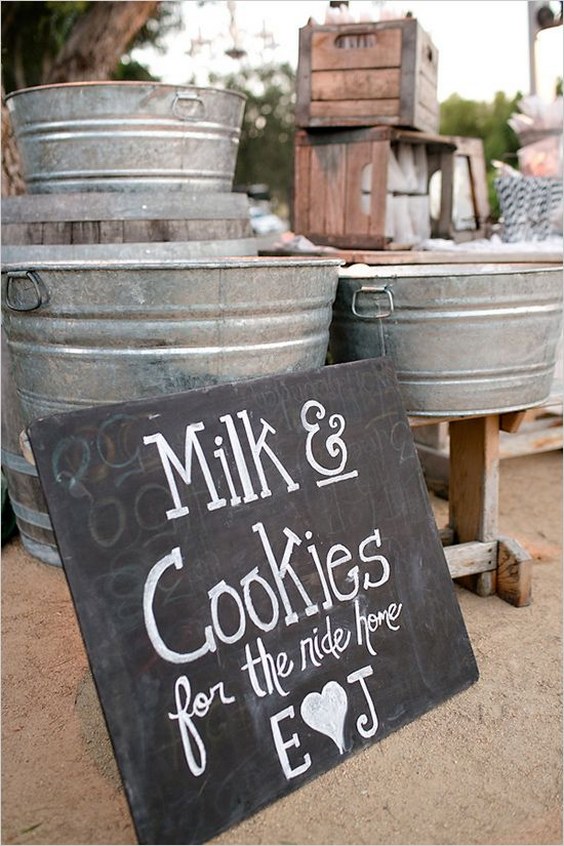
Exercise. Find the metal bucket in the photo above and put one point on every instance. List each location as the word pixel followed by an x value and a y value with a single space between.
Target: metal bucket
pixel 26 496
pixel 114 218
pixel 126 136
pixel 85 333
pixel 465 340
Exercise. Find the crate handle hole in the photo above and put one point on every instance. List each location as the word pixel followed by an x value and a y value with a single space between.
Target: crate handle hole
pixel 356 40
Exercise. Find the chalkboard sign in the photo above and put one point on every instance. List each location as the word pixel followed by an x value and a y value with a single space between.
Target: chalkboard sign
pixel 259 583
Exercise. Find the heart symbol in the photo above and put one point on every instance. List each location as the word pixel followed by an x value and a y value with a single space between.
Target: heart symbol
pixel 325 712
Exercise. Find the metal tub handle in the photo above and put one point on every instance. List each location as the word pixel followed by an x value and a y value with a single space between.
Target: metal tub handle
pixel 19 295
pixel 381 312
pixel 188 107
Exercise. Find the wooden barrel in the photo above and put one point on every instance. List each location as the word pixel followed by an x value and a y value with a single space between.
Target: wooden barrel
pixel 100 228
pixel 113 218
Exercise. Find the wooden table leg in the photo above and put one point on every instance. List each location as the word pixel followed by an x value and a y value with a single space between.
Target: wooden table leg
pixel 473 488
pixel 473 508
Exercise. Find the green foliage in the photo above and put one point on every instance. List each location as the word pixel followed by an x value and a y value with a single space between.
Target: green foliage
pixel 32 35
pixel 267 135
pixel 34 32
pixel 487 121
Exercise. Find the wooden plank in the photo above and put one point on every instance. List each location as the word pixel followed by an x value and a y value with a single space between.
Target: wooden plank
pixel 372 242
pixel 360 84
pixel 511 420
pixel 57 233
pixel 85 232
pixel 384 50
pixel 17 233
pixel 427 97
pixel 143 205
pixel 111 231
pixel 303 78
pixel 350 109
pixel 407 83
pixel 335 182
pixel 474 477
pixel 466 559
pixel 354 256
pixel 514 573
pixel 447 195
pixel 426 119
pixel 301 196
pixel 135 231
pixel 473 486
pixel 358 157
pixel 427 59
pixel 317 191
pixel 380 160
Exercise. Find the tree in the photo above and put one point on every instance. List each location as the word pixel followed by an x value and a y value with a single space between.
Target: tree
pixel 70 41
pixel 267 134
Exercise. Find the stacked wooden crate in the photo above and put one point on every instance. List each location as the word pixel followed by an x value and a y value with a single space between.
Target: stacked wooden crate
pixel 366 144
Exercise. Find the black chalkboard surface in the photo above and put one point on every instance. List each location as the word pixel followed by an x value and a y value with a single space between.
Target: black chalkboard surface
pixel 259 583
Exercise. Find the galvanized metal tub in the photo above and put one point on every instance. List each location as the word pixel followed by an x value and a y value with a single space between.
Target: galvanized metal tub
pixel 84 333
pixel 24 488
pixel 113 218
pixel 126 136
pixel 472 339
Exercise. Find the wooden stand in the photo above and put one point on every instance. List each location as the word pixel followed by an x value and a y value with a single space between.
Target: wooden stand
pixel 536 430
pixel 484 561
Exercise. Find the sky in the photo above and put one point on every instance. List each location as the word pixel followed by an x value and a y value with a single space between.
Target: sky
pixel 483 45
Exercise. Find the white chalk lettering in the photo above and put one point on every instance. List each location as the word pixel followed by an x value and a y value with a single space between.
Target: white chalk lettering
pixel 169 461
pixel 281 744
pixel 246 582
pixel 335 560
pixel 172 560
pixel 368 623
pixel 192 743
pixel 334 445
pixel 263 601
pixel 280 571
pixel 363 720
pixel 258 446
pixel 315 648
pixel 374 538
pixel 271 668
pixel 217 591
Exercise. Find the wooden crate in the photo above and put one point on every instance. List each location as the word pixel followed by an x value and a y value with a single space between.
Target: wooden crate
pixel 368 74
pixel 341 185
pixel 470 204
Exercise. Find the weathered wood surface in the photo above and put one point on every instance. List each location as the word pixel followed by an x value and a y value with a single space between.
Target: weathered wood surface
pixel 356 85
pixel 483 560
pixel 473 486
pixel 403 256
pixel 328 50
pixel 465 559
pixel 366 75
pixel 331 205
pixel 106 218
pixel 514 573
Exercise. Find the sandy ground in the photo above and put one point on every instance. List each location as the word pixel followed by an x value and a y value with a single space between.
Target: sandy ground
pixel 485 767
